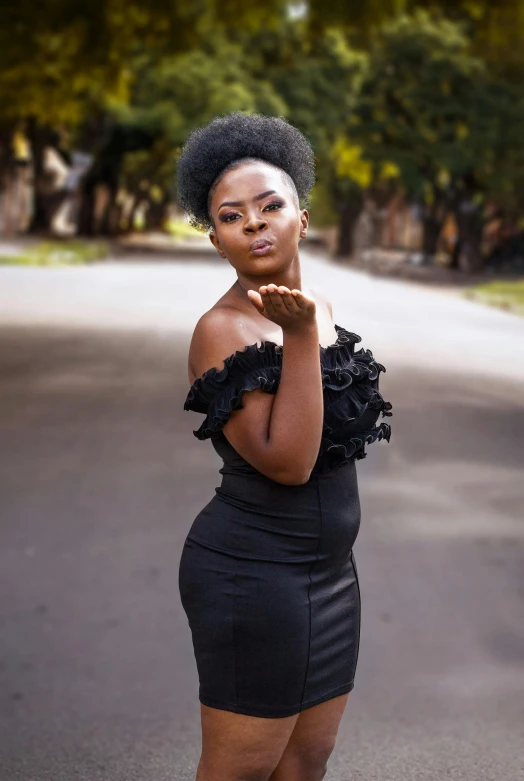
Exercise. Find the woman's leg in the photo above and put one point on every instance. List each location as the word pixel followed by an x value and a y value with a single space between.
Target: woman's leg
pixel 313 739
pixel 241 748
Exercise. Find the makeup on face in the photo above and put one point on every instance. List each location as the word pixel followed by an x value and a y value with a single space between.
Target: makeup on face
pixel 255 216
pixel 273 205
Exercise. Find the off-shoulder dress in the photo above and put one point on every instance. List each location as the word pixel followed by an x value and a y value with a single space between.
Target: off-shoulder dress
pixel 267 576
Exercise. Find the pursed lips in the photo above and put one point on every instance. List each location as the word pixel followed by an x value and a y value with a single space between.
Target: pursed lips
pixel 260 244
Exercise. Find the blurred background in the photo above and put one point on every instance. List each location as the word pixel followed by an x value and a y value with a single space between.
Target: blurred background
pixel 415 111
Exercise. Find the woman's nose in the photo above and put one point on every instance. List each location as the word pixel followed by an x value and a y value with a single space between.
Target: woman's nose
pixel 254 222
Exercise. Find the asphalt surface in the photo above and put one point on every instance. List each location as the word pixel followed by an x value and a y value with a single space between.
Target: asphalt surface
pixel 101 477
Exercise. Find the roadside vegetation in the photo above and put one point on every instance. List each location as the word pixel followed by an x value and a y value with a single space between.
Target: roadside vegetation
pixel 58 253
pixel 508 295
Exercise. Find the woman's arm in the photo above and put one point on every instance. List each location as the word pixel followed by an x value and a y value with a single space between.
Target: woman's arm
pixel 278 434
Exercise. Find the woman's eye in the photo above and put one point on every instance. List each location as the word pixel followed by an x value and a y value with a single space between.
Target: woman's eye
pixel 231 216
pixel 226 216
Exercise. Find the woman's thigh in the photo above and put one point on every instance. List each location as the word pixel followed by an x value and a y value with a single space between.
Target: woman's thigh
pixel 321 722
pixel 235 746
pixel 311 741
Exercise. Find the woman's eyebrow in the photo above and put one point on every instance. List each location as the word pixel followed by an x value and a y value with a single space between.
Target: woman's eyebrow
pixel 241 203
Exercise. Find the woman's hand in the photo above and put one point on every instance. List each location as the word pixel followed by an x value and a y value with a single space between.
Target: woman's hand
pixel 292 310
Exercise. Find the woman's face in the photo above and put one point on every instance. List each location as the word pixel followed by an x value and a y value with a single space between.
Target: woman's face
pixel 254 203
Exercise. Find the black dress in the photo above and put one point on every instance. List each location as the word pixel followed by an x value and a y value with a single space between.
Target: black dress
pixel 267 576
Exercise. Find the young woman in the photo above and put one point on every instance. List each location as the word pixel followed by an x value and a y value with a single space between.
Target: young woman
pixel 267 576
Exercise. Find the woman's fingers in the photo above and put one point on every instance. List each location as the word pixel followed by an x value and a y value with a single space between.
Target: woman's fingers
pixel 269 309
pixel 276 298
pixel 299 298
pixel 287 299
pixel 282 299
pixel 256 300
pixel 278 301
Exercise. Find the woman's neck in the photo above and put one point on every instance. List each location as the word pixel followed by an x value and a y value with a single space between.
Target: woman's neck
pixel 289 277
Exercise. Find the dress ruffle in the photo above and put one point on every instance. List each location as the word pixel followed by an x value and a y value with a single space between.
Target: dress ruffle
pixel 350 385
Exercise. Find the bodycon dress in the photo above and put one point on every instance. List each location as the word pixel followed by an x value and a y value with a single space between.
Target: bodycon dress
pixel 267 576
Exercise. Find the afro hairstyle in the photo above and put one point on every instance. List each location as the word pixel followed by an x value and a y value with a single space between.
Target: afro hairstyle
pixel 209 150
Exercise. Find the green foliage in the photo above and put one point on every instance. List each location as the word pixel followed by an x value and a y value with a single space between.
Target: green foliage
pixel 507 295
pixel 350 163
pixel 495 29
pixel 323 211
pixel 275 72
pixel 58 253
pixel 173 95
pixel 359 16
pixel 176 93
pixel 431 108
pixel 318 80
pixel 181 229
pixel 61 60
pixel 430 99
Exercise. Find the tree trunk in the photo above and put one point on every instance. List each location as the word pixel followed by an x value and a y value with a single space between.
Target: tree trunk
pixel 468 252
pixel 349 214
pixel 86 210
pixel 431 228
pixel 132 215
pixel 109 224
pixel 41 219
pixel 156 215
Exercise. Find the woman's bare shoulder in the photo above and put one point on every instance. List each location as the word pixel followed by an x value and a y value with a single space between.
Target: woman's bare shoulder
pixel 219 332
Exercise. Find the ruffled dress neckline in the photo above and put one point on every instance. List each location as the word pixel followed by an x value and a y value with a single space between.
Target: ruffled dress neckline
pixel 340 340
pixel 350 382
pixel 267 345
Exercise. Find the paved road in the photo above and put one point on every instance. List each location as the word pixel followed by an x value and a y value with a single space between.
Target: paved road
pixel 101 479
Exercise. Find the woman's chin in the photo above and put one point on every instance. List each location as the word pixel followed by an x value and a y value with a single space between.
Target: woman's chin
pixel 272 262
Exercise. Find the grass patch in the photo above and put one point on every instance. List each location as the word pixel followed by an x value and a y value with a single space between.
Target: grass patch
pixel 58 253
pixel 504 294
pixel 181 229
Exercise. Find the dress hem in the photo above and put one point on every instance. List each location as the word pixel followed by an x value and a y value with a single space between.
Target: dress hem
pixel 277 713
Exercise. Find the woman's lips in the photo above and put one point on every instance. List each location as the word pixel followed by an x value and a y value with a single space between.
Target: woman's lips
pixel 263 250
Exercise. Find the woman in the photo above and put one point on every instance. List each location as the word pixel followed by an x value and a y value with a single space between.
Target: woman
pixel 267 575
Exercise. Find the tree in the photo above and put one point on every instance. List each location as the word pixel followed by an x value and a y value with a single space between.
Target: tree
pixel 318 80
pixel 170 96
pixel 69 65
pixel 432 109
pixel 495 30
pixel 63 61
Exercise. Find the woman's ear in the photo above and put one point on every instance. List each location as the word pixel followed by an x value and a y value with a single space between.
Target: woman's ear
pixel 215 242
pixel 304 222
